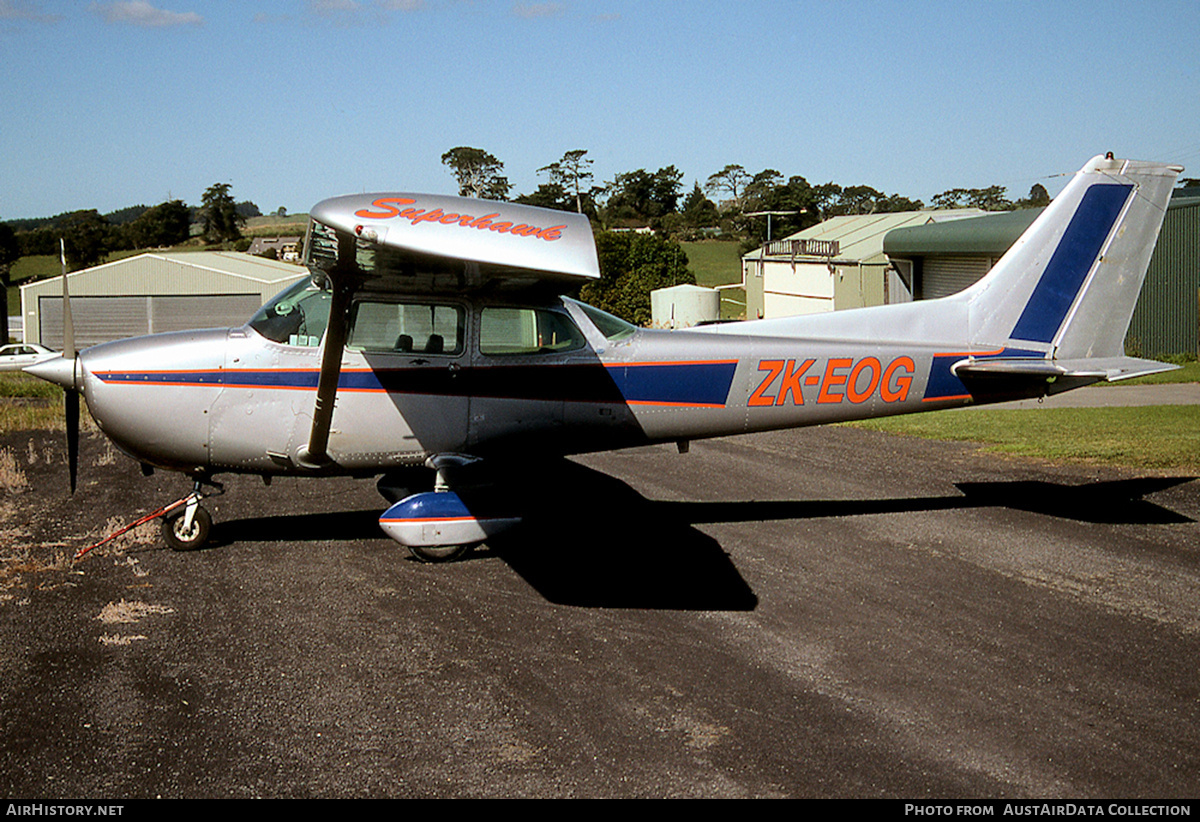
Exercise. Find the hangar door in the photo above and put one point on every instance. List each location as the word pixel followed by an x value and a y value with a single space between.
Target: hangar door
pixel 942 276
pixel 101 319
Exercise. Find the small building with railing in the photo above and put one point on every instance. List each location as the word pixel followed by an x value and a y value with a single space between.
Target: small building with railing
pixel 836 264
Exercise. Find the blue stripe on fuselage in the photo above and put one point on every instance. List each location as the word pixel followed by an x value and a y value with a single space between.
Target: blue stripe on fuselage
pixel 672 383
pixel 687 383
pixel 1072 260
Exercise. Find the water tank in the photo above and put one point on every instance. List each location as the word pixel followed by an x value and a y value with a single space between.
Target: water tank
pixel 683 306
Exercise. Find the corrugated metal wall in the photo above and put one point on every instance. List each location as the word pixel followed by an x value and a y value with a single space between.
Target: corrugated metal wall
pixel 152 292
pixel 100 319
pixel 1167 319
pixel 946 274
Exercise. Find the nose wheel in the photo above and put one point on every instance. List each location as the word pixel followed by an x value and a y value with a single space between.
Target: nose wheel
pixel 187 526
pixel 184 533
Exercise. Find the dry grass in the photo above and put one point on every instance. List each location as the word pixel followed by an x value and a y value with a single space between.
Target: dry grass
pixel 28 561
pixel 30 404
pixel 144 534
pixel 125 612
pixel 12 476
pixel 22 570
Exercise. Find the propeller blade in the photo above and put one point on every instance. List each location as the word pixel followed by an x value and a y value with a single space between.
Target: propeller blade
pixel 68 324
pixel 72 407
pixel 71 395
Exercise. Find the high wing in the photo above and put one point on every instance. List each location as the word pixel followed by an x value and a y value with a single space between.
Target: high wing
pixel 404 235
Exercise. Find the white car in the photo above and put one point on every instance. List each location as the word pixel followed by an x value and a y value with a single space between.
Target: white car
pixel 18 355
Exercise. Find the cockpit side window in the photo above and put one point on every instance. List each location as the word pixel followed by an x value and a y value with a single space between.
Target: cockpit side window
pixel 297 315
pixel 407 328
pixel 527 331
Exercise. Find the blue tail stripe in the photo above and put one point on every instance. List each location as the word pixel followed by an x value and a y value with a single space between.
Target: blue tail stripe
pixel 1071 262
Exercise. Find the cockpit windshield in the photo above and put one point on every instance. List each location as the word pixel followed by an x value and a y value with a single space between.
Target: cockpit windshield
pixel 613 328
pixel 296 316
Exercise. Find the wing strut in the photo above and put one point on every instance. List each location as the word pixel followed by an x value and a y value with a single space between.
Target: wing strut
pixel 344 279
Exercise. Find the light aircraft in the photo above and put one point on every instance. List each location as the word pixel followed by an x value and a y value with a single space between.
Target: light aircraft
pixel 431 340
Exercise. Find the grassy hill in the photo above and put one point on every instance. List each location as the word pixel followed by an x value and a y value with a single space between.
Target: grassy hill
pixel 719 262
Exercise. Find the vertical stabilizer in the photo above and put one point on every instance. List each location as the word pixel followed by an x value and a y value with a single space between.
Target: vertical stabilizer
pixel 1067 288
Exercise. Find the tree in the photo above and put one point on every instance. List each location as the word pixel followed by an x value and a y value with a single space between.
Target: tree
pixel 826 197
pixel 732 180
pixel 793 200
pixel 86 235
pixel 1038 197
pixel 572 174
pixel 166 224
pixel 992 198
pixel 832 200
pixel 698 211
pixel 548 195
pixel 631 266
pixel 10 252
pixel 638 196
pixel 478 173
pixel 218 215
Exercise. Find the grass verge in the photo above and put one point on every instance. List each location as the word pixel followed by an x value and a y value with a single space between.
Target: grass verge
pixel 29 404
pixel 1158 437
pixel 1187 372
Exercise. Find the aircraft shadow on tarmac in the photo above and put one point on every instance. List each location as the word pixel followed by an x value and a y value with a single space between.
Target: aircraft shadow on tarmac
pixel 587 540
pixel 590 540
pixel 1111 502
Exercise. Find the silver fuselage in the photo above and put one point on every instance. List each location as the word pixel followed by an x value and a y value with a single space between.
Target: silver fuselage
pixel 230 400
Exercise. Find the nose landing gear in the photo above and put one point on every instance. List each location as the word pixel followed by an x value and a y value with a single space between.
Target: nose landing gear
pixel 187 526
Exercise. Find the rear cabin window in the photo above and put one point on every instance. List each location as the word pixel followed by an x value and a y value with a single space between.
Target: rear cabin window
pixel 407 328
pixel 508 331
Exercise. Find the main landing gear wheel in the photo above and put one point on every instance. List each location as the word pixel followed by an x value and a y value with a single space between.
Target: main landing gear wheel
pixel 439 553
pixel 178 537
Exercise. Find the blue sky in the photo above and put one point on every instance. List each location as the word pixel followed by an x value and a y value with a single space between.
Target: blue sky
pixel 109 104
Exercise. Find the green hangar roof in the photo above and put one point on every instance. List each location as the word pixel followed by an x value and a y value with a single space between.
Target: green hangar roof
pixel 990 234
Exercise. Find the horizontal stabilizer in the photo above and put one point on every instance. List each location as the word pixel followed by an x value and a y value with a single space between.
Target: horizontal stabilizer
pixel 1004 378
pixel 1099 368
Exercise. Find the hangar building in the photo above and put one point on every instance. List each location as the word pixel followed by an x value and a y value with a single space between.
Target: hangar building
pixel 837 264
pixel 154 292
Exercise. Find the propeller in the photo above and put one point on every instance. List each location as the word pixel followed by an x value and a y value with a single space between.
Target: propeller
pixel 71 395
pixel 64 370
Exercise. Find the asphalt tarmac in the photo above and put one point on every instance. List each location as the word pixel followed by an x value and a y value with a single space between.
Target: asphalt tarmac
pixel 818 613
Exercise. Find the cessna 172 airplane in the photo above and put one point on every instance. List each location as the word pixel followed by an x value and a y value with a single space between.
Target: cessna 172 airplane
pixel 430 339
